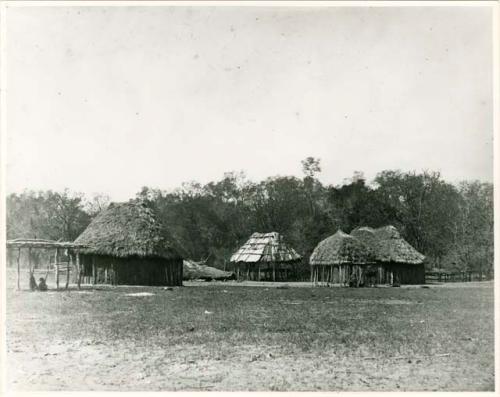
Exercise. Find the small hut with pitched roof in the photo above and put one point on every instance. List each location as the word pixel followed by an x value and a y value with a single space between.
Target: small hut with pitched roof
pixel 127 244
pixel 264 257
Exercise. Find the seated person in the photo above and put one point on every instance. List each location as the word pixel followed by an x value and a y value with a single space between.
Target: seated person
pixel 42 286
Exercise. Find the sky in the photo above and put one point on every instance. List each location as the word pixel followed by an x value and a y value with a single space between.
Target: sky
pixel 110 99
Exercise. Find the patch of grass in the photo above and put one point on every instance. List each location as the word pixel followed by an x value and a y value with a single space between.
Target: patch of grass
pixel 306 338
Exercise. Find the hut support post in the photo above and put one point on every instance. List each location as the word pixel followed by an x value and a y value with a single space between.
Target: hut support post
pixel 94 273
pixel 29 266
pixel 57 268
pixel 70 263
pixel 18 269
pixel 78 269
pixel 258 272
pixel 29 261
pixel 274 271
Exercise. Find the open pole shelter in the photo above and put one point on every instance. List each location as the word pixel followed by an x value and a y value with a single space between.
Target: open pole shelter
pixel 265 256
pixel 72 250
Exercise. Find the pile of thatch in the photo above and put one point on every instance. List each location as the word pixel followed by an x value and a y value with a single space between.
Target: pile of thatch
pixel 129 229
pixel 265 247
pixel 197 271
pixel 388 245
pixel 339 249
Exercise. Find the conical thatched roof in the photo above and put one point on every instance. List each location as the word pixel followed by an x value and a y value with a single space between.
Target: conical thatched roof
pixel 265 247
pixel 126 230
pixel 341 248
pixel 388 245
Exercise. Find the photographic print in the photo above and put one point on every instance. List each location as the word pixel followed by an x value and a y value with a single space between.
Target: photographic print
pixel 248 196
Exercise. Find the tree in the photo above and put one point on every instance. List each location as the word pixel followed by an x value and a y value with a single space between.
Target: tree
pixel 311 166
pixel 423 207
pixel 46 215
pixel 473 244
pixel 96 204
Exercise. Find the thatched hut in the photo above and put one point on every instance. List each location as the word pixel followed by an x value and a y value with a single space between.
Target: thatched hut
pixel 397 261
pixel 265 256
pixel 340 258
pixel 126 244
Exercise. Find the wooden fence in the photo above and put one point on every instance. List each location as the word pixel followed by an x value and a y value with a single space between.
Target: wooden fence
pixel 450 277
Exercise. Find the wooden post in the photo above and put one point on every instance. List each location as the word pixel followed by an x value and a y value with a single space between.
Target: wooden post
pixel 94 273
pixel 18 269
pixel 258 272
pixel 57 268
pixel 78 266
pixel 29 260
pixel 70 262
pixel 274 271
pixel 29 266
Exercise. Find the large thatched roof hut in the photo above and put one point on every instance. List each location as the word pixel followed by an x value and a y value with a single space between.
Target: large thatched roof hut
pixel 398 261
pixel 340 258
pixel 127 244
pixel 265 256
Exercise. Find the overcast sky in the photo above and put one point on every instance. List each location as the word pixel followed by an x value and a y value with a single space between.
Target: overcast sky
pixel 109 99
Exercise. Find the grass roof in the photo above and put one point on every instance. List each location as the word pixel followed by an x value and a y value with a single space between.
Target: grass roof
pixel 388 245
pixel 341 248
pixel 265 247
pixel 128 229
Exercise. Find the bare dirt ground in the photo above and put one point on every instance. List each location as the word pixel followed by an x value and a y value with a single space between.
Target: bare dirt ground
pixel 232 336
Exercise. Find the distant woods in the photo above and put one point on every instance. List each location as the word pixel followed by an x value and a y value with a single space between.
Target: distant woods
pixel 451 224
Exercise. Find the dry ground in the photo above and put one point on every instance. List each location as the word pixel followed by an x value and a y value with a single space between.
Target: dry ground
pixel 227 336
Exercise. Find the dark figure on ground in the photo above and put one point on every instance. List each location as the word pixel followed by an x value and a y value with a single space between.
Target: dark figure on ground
pixel 33 285
pixel 42 286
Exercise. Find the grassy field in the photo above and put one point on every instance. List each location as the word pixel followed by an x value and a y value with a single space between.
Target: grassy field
pixel 234 337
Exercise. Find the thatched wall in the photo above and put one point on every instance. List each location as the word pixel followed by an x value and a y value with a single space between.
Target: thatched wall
pixel 368 275
pixel 99 269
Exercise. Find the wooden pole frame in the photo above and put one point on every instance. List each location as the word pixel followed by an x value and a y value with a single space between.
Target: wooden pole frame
pixel 57 268
pixel 79 269
pixel 18 269
pixel 70 263
pixel 94 272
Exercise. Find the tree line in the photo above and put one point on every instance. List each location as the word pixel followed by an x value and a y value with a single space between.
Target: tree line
pixel 451 224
